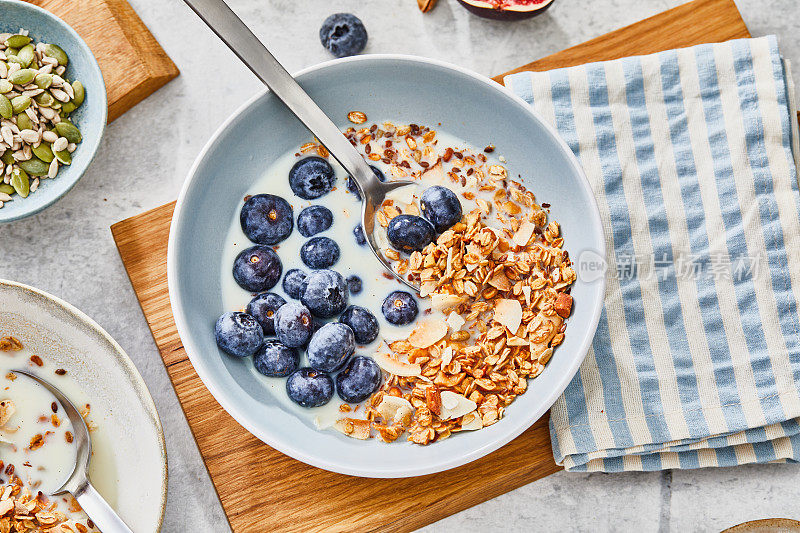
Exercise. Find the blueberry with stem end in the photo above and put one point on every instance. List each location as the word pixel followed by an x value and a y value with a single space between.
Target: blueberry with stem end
pixel 343 34
pixel 325 294
pixel 311 178
pixel 266 219
pixel 309 387
pixel 276 360
pixel 400 308
pixel 263 308
pixel 238 334
pixel 293 282
pixel 257 268
pixel 293 324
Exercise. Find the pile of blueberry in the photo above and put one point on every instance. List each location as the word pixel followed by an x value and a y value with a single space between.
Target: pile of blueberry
pixel 273 331
pixel 440 209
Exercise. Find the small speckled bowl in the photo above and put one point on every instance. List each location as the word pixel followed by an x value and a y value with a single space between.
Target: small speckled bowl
pixel 90 117
pixel 407 90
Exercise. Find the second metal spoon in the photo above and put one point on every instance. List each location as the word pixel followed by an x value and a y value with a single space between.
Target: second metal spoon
pixel 247 47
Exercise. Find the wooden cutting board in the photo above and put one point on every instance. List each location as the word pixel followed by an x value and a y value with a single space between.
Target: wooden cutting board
pixel 134 65
pixel 260 488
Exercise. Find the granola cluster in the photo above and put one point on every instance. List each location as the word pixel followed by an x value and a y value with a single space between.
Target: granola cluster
pixel 500 277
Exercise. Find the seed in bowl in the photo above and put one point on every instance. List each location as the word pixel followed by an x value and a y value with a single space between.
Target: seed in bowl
pixel 36 101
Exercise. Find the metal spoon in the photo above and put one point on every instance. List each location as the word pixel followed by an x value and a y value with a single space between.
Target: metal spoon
pixel 234 33
pixel 78 484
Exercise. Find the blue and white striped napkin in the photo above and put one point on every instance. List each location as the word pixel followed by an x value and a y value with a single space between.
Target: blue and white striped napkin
pixel 692 157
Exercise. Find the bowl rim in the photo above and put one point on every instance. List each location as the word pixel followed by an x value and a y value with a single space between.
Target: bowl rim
pixel 91 149
pixel 283 445
pixel 129 368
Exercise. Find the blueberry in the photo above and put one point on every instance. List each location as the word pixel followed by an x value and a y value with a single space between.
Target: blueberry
pixel 238 334
pixel 319 252
pixel 400 308
pixel 362 322
pixel 263 308
pixel 266 219
pixel 309 388
pixel 441 207
pixel 330 347
pixel 293 282
pixel 276 360
pixel 409 233
pixel 343 34
pixel 311 178
pixel 358 380
pixel 354 284
pixel 314 219
pixel 361 239
pixel 293 324
pixel 351 185
pixel 325 293
pixel 257 268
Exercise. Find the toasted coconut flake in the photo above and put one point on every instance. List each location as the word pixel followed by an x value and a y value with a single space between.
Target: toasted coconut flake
pixel 471 421
pixel 455 321
pixel 454 405
pixel 354 427
pixel 428 333
pixel 7 410
pixel 508 313
pixel 393 366
pixel 500 282
pixel 524 233
pixel 395 410
pixel 445 301
pixel 403 195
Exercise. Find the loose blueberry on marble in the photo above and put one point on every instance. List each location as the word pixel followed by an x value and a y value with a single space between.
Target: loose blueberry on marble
pixel 441 207
pixel 325 294
pixel 363 323
pixel 354 284
pixel 319 252
pixel 343 34
pixel 361 239
pixel 330 347
pixel 293 282
pixel 263 308
pixel 410 233
pixel 311 178
pixel 400 308
pixel 358 380
pixel 266 219
pixel 314 219
pixel 293 324
pixel 309 387
pixel 238 334
pixel 257 268
pixel 276 360
pixel 351 185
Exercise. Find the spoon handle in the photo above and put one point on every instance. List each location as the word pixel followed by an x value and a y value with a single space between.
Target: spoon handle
pixel 103 516
pixel 234 33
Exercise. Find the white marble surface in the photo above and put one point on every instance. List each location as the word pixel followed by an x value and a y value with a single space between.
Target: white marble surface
pixel 68 250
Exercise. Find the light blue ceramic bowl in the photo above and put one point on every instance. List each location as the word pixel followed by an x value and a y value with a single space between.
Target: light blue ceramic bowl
pixel 90 117
pixel 409 90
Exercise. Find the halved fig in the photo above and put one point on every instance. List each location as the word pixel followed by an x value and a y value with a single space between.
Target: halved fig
pixel 506 9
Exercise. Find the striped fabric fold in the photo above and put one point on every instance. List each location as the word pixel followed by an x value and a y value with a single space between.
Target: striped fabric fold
pixel 693 156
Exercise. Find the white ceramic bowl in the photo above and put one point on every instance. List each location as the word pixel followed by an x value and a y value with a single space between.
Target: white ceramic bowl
pixel 129 460
pixel 406 90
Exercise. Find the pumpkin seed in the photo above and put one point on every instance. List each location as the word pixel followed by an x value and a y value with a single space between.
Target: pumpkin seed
pixel 43 152
pixel 6 188
pixel 26 55
pixel 6 109
pixel 57 53
pixel 34 166
pixel 68 107
pixel 17 41
pixel 5 86
pixel 63 157
pixel 20 103
pixel 45 99
pixel 24 122
pixel 69 131
pixel 12 58
pixel 80 93
pixel 21 183
pixel 7 157
pixel 43 81
pixel 22 77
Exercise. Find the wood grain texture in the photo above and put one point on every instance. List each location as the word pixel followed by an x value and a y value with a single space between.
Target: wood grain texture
pixel 262 489
pixel 133 63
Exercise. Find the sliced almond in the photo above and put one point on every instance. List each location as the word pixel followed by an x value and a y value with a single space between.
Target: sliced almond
pixel 508 313
pixel 516 341
pixel 354 427
pixel 471 421
pixel 455 405
pixel 7 410
pixel 428 333
pixel 524 233
pixel 393 366
pixel 445 301
pixel 500 282
pixel 455 321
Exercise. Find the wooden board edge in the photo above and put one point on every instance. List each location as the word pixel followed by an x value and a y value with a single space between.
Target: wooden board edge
pixel 671 20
